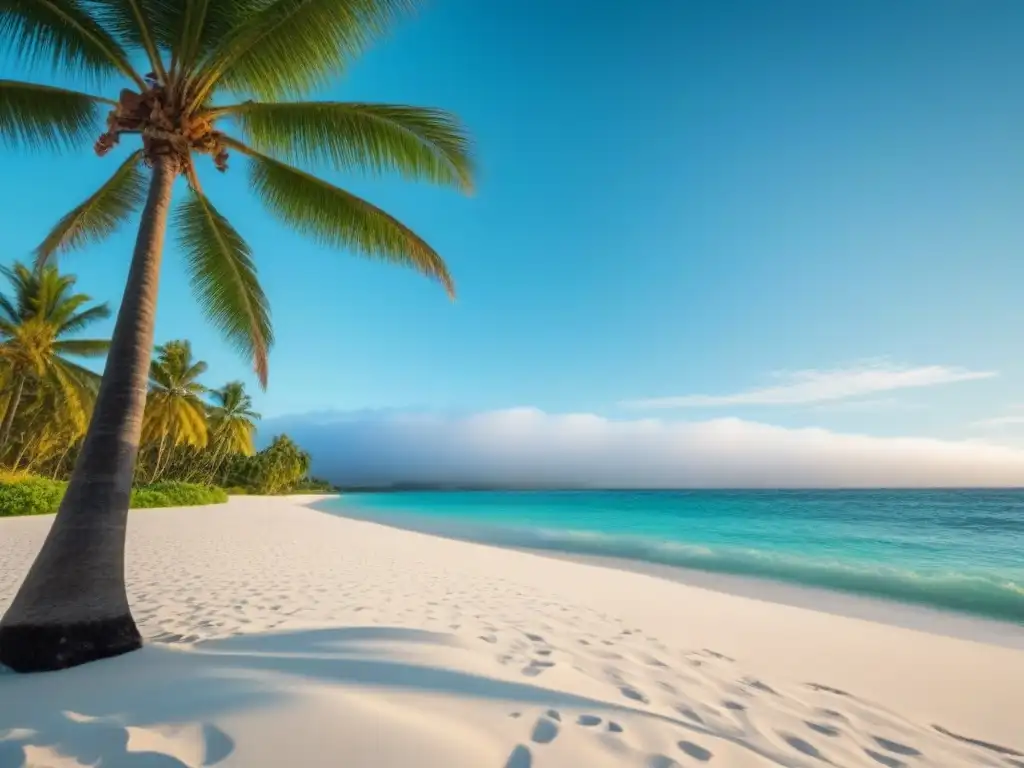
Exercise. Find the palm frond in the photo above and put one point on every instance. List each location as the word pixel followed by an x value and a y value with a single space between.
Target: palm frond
pixel 338 218
pixel 129 21
pixel 8 312
pixel 193 372
pixel 64 34
pixel 41 116
pixel 190 37
pixel 224 277
pixel 101 213
pixel 177 27
pixel 85 318
pixel 417 142
pixel 61 307
pixel 77 388
pixel 289 47
pixel 82 347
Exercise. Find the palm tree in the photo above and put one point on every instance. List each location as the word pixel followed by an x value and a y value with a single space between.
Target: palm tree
pixel 232 420
pixel 175 412
pixel 35 322
pixel 241 62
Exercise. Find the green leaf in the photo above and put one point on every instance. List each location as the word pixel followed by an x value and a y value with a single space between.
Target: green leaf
pixel 185 29
pixel 129 21
pixel 224 277
pixel 101 213
pixel 82 347
pixel 290 47
pixel 83 319
pixel 65 34
pixel 77 387
pixel 40 116
pixel 338 218
pixel 417 142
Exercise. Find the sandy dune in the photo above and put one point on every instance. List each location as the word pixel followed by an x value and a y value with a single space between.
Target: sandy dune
pixel 282 636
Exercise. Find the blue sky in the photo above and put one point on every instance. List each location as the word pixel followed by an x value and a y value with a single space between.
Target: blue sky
pixel 675 199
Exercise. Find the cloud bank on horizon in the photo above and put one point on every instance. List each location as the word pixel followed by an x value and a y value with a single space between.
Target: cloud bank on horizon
pixel 825 385
pixel 527 447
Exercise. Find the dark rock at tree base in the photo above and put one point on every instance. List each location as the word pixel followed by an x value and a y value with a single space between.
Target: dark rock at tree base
pixel 49 647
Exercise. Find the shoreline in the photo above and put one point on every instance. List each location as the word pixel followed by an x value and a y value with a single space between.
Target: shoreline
pixel 278 634
pixel 891 612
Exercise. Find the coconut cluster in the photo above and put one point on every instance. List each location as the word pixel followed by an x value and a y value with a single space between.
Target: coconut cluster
pixel 166 129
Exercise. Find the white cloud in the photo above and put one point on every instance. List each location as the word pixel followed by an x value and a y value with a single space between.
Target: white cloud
pixel 817 386
pixel 999 421
pixel 870 405
pixel 528 447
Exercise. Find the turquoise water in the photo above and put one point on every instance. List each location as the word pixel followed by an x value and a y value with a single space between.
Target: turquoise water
pixel 960 550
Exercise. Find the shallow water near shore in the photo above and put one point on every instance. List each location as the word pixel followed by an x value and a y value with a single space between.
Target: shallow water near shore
pixel 960 550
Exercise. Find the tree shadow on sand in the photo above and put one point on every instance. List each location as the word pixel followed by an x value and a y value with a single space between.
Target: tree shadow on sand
pixel 89 713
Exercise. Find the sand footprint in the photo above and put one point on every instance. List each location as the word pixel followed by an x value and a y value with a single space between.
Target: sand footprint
pixel 633 694
pixel 695 751
pixel 888 762
pixel 520 758
pixel 802 746
pixel 822 728
pixel 897 747
pixel 545 730
pixel 536 667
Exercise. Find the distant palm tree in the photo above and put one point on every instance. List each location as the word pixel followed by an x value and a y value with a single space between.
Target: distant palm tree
pixel 73 607
pixel 232 420
pixel 35 322
pixel 175 412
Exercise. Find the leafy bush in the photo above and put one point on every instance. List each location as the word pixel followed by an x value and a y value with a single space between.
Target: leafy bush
pixel 175 494
pixel 30 496
pixel 237 490
pixel 147 498
pixel 27 495
pixel 314 485
pixel 274 470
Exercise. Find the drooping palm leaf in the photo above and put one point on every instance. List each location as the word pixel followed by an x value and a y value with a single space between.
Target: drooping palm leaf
pixel 101 213
pixel 224 278
pixel 64 34
pixel 84 318
pixel 339 218
pixel 77 386
pixel 82 347
pixel 8 312
pixel 419 143
pixel 129 22
pixel 40 116
pixel 292 46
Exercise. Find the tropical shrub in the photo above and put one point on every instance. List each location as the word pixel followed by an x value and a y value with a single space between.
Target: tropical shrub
pixel 174 494
pixel 28 495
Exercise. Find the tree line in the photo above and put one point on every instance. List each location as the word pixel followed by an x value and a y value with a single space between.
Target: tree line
pixel 191 432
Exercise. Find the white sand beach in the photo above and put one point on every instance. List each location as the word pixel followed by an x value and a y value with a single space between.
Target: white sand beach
pixel 282 636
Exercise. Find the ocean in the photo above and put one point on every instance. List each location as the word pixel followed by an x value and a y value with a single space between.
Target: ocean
pixel 959 550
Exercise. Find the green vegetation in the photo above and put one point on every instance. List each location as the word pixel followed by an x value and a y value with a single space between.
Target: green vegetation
pixel 46 396
pixel 31 495
pixel 192 440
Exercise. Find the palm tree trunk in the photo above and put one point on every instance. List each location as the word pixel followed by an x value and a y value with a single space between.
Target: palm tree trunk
pixel 12 408
pixel 73 606
pixel 159 456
